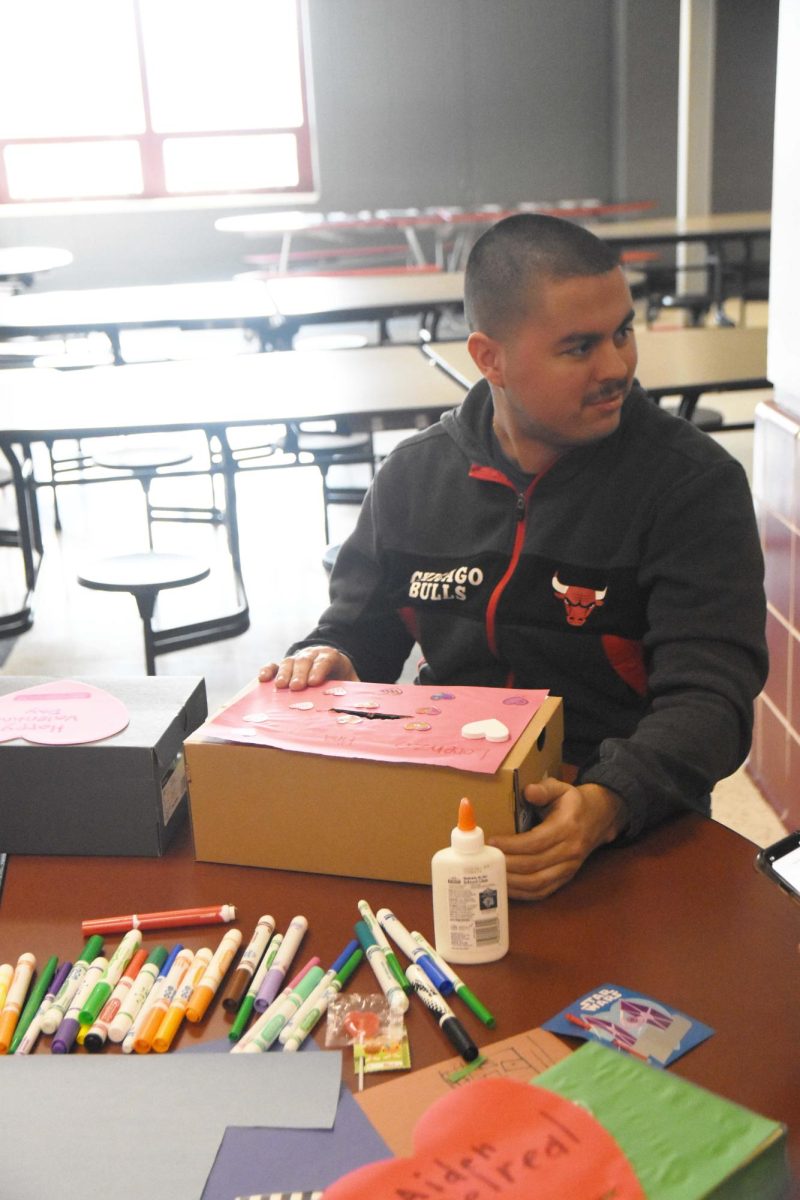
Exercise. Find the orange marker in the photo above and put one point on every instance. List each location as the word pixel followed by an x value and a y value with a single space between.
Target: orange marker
pixel 174 1015
pixel 203 994
pixel 15 998
pixel 152 1022
pixel 6 975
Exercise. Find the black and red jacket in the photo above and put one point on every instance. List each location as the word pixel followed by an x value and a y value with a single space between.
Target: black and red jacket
pixel 627 578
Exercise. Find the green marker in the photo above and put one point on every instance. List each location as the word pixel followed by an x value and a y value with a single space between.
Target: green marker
pixel 372 923
pixel 111 977
pixel 55 1013
pixel 304 1026
pixel 246 1007
pixel 470 999
pixel 34 1002
pixel 284 1009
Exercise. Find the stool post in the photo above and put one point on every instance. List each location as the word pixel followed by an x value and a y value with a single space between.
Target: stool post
pixel 146 604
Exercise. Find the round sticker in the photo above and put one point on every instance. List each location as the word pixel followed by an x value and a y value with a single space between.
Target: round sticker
pixel 515 700
pixel 349 719
pixel 305 705
pixel 255 717
pixel 391 691
pixel 366 704
pixel 442 696
pixel 417 725
pixel 429 712
pixel 337 691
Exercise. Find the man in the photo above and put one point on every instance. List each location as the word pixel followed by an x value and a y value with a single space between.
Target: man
pixel 560 530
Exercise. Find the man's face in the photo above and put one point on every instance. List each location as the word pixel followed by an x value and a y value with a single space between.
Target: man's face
pixel 561 376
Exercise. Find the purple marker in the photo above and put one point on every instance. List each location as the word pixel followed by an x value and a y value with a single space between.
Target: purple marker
pixel 35 1028
pixel 65 1035
pixel 280 964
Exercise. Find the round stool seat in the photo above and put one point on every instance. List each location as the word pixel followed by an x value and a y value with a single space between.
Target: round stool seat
pixel 142 458
pixel 147 572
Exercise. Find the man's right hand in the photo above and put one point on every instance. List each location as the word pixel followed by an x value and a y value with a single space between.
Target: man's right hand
pixel 308 668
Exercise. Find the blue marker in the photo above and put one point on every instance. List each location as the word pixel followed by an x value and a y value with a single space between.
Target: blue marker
pixel 399 934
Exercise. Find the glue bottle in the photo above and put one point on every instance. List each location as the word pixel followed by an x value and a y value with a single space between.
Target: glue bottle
pixel 470 896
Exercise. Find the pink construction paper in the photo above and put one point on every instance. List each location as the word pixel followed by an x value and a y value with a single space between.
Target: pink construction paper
pixel 428 729
pixel 61 713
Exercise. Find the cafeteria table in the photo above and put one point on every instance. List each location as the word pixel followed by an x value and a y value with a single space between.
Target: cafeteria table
pixel 378 387
pixel 683 362
pixel 679 915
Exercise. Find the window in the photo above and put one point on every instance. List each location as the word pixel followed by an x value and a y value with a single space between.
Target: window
pixel 152 98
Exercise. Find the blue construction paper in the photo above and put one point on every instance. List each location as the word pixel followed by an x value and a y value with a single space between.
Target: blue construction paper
pixel 252 1162
pixel 631 1022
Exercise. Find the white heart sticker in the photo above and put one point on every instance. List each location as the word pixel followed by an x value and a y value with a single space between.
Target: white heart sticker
pixel 491 729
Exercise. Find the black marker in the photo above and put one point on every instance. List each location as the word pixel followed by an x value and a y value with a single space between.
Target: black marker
pixel 448 1021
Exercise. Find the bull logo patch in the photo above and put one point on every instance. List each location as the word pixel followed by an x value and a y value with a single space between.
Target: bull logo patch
pixel 579 602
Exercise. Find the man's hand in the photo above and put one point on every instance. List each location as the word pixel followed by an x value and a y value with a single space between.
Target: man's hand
pixel 576 821
pixel 308 668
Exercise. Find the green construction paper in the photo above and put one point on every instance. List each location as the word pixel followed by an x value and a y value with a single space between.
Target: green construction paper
pixel 684 1142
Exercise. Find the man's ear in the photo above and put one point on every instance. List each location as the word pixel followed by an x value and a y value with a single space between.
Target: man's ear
pixel 487 354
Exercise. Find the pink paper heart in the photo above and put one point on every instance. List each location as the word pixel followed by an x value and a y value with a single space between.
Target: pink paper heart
pixel 61 713
pixel 500 1140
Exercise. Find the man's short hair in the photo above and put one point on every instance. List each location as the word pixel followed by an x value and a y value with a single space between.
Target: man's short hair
pixel 512 257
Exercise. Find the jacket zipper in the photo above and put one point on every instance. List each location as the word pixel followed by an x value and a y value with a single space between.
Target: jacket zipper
pixel 520 517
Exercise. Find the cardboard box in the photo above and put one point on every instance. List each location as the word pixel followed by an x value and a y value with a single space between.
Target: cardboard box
pixel 124 795
pixel 262 807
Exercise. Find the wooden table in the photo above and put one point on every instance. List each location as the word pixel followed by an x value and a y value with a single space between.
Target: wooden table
pixel 681 915
pixel 376 387
pixel 684 362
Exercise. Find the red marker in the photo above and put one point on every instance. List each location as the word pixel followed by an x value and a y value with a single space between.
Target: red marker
pixel 215 914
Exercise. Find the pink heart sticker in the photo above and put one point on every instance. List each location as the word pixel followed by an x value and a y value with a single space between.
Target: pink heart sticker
pixel 61 713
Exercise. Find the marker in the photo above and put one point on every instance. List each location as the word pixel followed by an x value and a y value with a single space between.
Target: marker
pixel 33 1031
pixel 143 1038
pixel 15 998
pixel 371 921
pixel 152 994
pixel 173 1017
pixel 311 1000
pixel 34 1002
pixel 206 989
pixel 116 965
pixel 448 1021
pixel 6 975
pixel 57 1010
pixel 398 1000
pixel 275 1007
pixel 289 1005
pixel 246 1007
pixel 97 1034
pixel 398 932
pixel 302 1028
pixel 246 967
pixel 281 963
pixel 65 1035
pixel 174 918
pixel 462 991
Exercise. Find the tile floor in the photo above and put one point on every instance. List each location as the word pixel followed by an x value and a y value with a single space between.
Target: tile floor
pixel 84 632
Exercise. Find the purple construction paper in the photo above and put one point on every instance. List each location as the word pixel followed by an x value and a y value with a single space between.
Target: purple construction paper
pixel 250 1162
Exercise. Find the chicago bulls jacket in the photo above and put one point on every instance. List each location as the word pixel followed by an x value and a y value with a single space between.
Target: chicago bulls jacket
pixel 627 578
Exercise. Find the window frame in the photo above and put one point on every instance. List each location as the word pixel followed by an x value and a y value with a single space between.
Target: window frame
pixel 150 143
